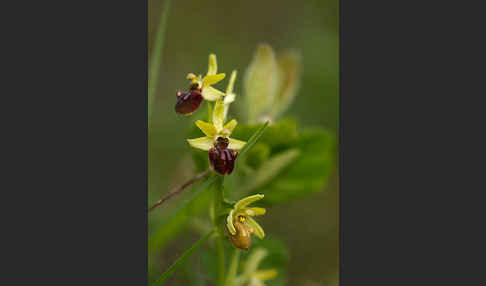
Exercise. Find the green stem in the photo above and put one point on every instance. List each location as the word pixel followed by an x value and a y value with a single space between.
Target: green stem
pixel 221 270
pixel 233 267
pixel 217 206
pixel 154 65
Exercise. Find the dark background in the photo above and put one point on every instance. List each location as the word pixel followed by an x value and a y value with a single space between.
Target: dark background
pixel 232 30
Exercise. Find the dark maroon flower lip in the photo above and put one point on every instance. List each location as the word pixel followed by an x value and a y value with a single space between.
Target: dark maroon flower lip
pixel 188 102
pixel 221 158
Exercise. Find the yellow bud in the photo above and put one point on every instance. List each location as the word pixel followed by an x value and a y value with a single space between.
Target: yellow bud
pixel 191 76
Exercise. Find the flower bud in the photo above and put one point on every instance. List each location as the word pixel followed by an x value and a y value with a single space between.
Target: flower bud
pixel 188 102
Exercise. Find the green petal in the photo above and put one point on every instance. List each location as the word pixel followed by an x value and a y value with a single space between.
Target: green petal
pixel 248 200
pixel 218 115
pixel 203 143
pixel 207 128
pixel 236 144
pixel 213 65
pixel 213 79
pixel 255 211
pixel 228 127
pixel 229 88
pixel 258 229
pixel 211 94
pixel 229 223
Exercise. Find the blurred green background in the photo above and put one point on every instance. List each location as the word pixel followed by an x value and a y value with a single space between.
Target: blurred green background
pixel 232 30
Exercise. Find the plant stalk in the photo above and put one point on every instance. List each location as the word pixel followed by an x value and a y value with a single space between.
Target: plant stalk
pixel 217 204
pixel 180 188
pixel 230 277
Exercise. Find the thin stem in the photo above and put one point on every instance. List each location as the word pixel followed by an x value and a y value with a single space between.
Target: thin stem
pixel 217 204
pixel 180 188
pixel 230 277
pixel 154 66
pixel 220 250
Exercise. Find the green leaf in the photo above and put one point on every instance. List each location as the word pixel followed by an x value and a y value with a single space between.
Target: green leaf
pixel 308 173
pixel 271 168
pixel 261 82
pixel 166 275
pixel 305 174
pixel 278 137
pixel 174 223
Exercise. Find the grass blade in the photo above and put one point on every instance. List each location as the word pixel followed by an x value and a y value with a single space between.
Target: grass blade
pixel 253 139
pixel 176 220
pixel 156 55
pixel 166 275
pixel 233 267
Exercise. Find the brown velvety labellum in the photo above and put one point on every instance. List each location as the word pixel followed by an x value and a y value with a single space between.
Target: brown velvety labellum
pixel 188 102
pixel 222 160
pixel 242 238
